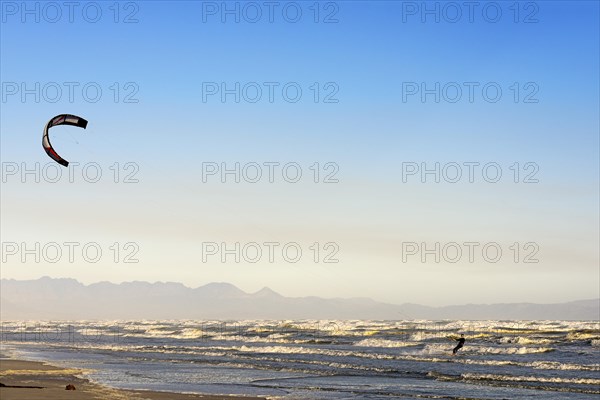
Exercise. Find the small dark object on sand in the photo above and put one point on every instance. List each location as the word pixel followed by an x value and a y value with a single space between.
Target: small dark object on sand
pixel 70 387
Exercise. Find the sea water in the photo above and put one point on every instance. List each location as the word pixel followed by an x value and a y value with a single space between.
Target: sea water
pixel 325 359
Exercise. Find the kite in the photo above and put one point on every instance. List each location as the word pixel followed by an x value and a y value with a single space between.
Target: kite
pixel 62 119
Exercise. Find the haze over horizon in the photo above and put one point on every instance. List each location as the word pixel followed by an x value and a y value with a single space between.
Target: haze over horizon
pixel 228 286
pixel 66 299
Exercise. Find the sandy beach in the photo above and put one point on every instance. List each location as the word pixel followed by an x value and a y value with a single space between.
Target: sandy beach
pixel 29 380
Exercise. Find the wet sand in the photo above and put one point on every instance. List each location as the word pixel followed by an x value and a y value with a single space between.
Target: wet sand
pixel 39 381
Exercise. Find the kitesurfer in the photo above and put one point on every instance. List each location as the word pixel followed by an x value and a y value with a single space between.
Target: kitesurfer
pixel 461 343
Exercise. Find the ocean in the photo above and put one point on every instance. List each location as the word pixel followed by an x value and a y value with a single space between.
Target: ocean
pixel 324 359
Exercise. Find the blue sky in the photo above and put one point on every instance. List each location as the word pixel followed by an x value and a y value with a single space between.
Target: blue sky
pixel 371 52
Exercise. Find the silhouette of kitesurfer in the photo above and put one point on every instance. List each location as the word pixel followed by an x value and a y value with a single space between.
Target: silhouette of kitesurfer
pixel 460 344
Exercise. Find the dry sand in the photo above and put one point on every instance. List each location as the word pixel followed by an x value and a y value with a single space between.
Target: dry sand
pixel 53 381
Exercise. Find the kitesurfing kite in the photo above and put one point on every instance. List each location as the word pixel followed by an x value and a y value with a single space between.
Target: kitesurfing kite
pixel 62 119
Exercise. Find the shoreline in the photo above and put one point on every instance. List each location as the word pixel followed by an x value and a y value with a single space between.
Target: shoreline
pixel 36 380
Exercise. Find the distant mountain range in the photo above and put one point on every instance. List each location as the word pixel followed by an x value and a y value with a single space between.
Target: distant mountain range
pixel 67 299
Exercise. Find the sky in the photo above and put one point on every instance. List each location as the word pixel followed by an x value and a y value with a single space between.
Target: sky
pixel 427 152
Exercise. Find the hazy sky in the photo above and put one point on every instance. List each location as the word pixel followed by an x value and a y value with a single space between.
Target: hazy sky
pixel 357 96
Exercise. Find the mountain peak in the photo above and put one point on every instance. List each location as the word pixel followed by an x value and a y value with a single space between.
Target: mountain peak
pixel 221 290
pixel 266 292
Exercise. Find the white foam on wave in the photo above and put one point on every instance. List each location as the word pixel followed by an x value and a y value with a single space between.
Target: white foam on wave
pixel 494 377
pixel 585 335
pixel 383 343
pixel 309 350
pixel 547 365
pixel 563 366
pixel 523 340
pixel 445 349
pixel 513 350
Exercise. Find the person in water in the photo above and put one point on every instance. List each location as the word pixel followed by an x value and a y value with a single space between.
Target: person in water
pixel 461 343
